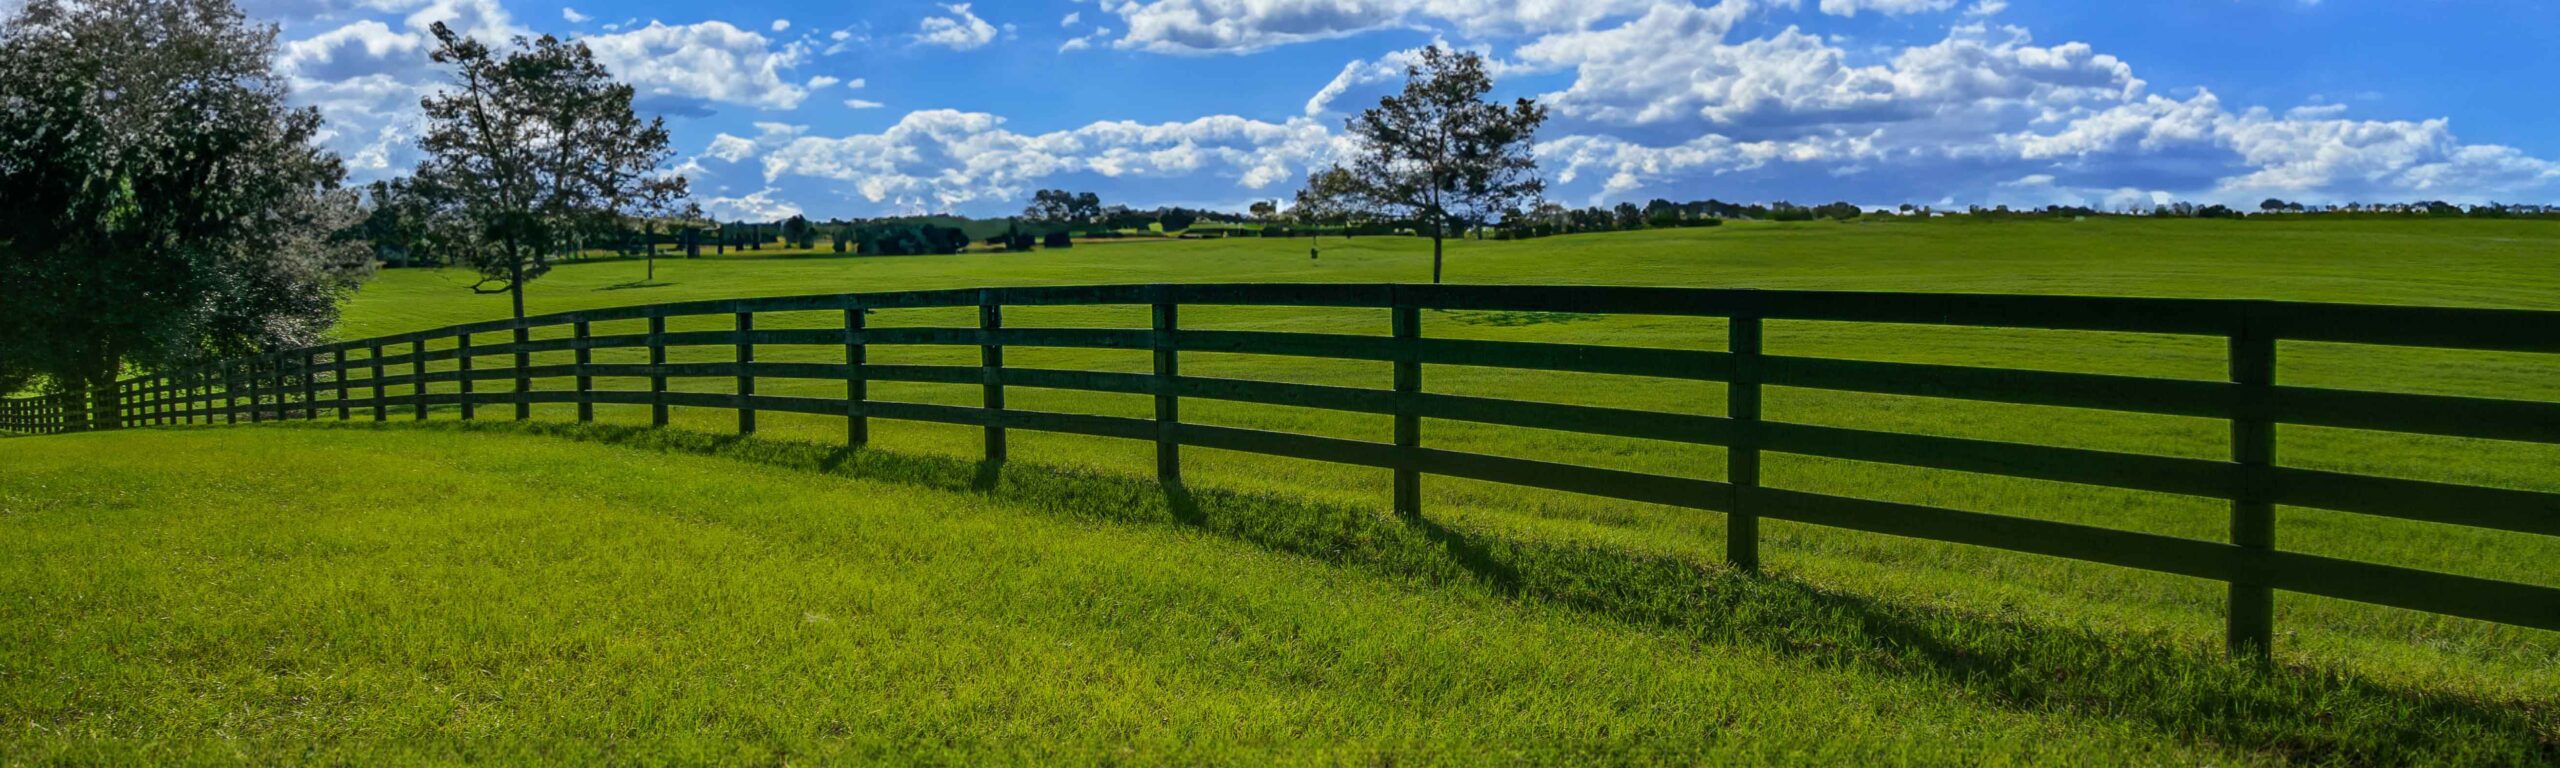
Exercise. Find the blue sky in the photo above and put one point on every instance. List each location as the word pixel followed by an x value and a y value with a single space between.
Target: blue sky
pixel 872 108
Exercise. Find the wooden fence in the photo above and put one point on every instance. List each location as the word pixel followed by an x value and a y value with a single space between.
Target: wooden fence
pixel 351 377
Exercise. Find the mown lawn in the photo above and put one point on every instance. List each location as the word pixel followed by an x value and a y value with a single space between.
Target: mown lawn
pixel 362 595
pixel 2108 664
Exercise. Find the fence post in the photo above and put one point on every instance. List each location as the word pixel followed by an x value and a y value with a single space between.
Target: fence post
pixel 339 364
pixel 746 378
pixel 524 381
pixel 283 390
pixel 857 379
pixel 261 387
pixel 1742 454
pixel 380 409
pixel 253 378
pixel 586 383
pixel 657 369
pixel 310 385
pixel 991 371
pixel 462 373
pixel 418 379
pixel 230 392
pixel 1407 326
pixel 2251 628
pixel 1168 399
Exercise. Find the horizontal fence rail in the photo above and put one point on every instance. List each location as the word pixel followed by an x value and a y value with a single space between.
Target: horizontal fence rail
pixel 492 366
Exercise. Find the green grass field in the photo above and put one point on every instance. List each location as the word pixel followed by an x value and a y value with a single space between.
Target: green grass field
pixel 450 593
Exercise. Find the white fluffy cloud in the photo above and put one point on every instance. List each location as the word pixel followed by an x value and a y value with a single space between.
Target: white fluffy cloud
pixel 1667 100
pixel 957 30
pixel 1621 166
pixel 730 148
pixel 947 158
pixel 712 61
pixel 1886 7
pixel 1085 41
pixel 2312 150
pixel 762 205
pixel 1673 68
pixel 1241 26
pixel 1675 98
pixel 367 76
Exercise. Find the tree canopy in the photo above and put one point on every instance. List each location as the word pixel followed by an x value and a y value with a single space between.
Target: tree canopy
pixel 160 201
pixel 1058 206
pixel 531 145
pixel 1440 153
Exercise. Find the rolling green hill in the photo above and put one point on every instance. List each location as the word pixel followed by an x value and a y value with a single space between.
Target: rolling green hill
pixel 361 595
pixel 1510 625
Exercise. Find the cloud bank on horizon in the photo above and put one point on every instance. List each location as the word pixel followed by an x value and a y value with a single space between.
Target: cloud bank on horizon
pixel 904 107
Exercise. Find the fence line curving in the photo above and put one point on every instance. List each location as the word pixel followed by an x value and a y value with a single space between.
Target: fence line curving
pixel 353 378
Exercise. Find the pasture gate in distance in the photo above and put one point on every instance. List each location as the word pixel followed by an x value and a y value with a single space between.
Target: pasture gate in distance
pixel 351 377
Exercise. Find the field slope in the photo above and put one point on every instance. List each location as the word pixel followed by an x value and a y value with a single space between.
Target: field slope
pixel 607 592
pixel 295 594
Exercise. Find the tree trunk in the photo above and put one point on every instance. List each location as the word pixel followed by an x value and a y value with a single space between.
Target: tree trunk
pixel 515 277
pixel 1437 230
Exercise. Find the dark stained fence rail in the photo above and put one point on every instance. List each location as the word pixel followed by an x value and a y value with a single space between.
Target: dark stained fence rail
pixel 306 382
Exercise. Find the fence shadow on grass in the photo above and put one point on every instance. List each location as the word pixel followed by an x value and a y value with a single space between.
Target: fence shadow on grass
pixel 2182 690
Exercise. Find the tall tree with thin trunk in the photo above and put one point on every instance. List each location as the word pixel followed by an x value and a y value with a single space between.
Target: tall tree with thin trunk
pixel 1329 198
pixel 531 145
pixel 161 201
pixel 1440 154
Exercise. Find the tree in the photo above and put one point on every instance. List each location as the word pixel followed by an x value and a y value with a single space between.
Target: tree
pixel 1050 205
pixel 398 219
pixel 1058 206
pixel 1441 154
pixel 1330 197
pixel 1087 208
pixel 531 144
pixel 654 207
pixel 161 203
pixel 1628 216
pixel 2271 205
pixel 1264 209
pixel 800 233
